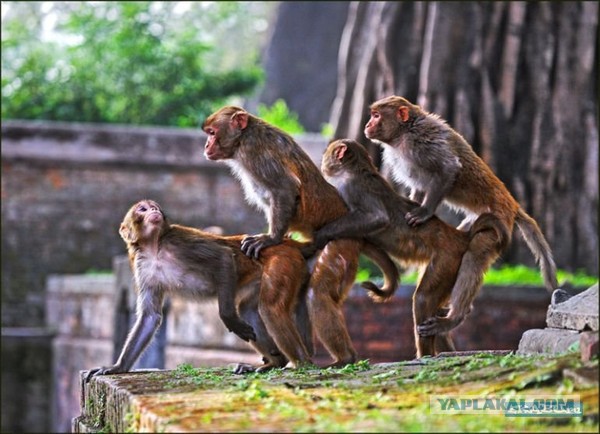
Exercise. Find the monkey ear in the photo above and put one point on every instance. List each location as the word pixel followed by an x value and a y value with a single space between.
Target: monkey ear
pixel 239 120
pixel 403 113
pixel 125 233
pixel 339 151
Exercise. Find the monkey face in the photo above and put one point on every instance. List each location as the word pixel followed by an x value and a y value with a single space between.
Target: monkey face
pixel 224 129
pixel 373 125
pixel 212 148
pixel 143 220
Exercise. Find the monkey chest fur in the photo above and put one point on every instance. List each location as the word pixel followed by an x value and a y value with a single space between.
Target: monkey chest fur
pixel 401 168
pixel 164 271
pixel 256 193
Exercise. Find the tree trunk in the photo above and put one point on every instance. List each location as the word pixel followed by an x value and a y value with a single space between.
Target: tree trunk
pixel 516 79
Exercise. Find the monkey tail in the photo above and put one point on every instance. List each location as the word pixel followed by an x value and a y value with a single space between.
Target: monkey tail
pixel 539 247
pixel 391 275
pixel 487 222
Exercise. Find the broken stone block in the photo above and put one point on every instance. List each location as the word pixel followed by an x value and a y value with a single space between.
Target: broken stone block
pixel 579 312
pixel 588 343
pixel 551 341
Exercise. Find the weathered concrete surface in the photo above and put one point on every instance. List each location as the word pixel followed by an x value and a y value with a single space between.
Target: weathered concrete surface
pixel 579 312
pixel 386 397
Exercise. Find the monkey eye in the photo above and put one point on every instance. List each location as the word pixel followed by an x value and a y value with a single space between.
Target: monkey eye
pixel 142 209
pixel 210 131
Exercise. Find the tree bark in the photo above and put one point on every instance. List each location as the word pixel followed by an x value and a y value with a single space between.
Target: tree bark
pixel 516 79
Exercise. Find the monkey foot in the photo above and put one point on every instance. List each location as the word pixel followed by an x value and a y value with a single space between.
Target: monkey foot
pixel 341 363
pixel 243 368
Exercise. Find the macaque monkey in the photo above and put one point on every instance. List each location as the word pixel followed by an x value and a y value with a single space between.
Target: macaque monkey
pixel 172 259
pixel 279 178
pixel 377 214
pixel 425 154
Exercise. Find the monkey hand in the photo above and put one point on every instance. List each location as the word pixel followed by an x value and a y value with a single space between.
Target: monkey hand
pixel 105 370
pixel 418 216
pixel 240 328
pixel 253 244
pixel 438 325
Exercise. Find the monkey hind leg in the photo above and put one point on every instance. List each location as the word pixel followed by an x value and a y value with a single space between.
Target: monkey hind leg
pixel 430 298
pixel 483 250
pixel 278 306
pixel 330 282
pixel 303 323
pixel 264 343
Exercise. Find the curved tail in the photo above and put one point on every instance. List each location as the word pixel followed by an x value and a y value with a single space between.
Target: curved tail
pixel 539 247
pixel 391 275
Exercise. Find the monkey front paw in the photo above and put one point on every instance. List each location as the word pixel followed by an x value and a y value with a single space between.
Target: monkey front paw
pixel 418 216
pixel 105 370
pixel 253 244
pixel 437 325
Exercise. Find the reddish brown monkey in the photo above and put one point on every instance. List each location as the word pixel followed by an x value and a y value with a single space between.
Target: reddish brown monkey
pixel 377 213
pixel 425 154
pixel 172 259
pixel 280 179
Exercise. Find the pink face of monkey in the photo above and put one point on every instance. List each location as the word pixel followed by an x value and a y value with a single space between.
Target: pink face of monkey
pixel 224 129
pixel 144 220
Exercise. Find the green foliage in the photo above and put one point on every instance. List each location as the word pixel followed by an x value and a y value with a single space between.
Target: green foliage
pixel 120 62
pixel 500 276
pixel 327 130
pixel 520 274
pixel 280 115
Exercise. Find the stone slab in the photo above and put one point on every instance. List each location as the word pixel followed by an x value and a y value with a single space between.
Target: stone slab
pixel 579 312
pixel 547 341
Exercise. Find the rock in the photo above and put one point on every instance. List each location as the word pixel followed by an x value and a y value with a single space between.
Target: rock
pixel 560 296
pixel 549 340
pixel 579 312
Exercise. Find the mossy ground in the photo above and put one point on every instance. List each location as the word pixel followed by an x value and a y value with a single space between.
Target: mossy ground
pixel 393 397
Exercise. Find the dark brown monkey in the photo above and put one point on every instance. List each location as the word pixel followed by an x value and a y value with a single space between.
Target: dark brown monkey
pixel 280 179
pixel 173 259
pixel 424 153
pixel 377 213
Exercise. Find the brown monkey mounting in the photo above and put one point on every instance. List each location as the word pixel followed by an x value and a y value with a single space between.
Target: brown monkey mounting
pixel 424 153
pixel 377 213
pixel 281 180
pixel 173 259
